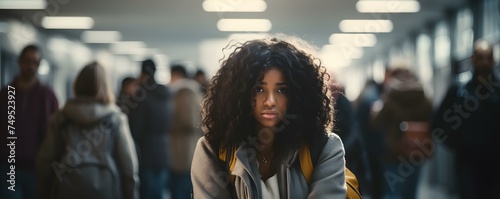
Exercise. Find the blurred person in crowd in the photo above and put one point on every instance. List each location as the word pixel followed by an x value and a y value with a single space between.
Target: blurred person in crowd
pixel 32 103
pixel 88 151
pixel 201 78
pixel 269 99
pixel 402 102
pixel 468 116
pixel 184 131
pixel 150 124
pixel 356 154
pixel 125 97
pixel 372 137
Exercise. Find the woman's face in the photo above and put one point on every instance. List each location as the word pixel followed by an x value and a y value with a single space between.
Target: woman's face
pixel 271 98
pixel 131 88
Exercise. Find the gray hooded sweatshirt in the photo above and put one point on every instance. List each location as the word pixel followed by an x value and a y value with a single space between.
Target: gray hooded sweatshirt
pixel 79 137
pixel 211 181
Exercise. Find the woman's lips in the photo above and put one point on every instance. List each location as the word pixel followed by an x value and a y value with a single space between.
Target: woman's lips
pixel 269 115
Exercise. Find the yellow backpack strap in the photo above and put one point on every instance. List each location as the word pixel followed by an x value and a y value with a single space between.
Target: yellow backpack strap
pixel 307 168
pixel 352 185
pixel 305 162
pixel 224 155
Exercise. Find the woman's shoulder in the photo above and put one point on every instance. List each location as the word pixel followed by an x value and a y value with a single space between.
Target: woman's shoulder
pixel 203 146
pixel 327 145
pixel 204 155
pixel 334 142
pixel 327 137
pixel 332 136
pixel 117 112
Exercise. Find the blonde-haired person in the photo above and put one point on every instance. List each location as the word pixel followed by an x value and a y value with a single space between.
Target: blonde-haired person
pixel 88 151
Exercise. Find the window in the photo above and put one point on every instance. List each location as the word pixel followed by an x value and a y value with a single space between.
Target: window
pixel 464 34
pixel 491 18
pixel 424 63
pixel 442 45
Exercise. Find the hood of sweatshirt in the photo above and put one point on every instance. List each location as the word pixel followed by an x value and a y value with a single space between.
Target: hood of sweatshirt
pixel 86 111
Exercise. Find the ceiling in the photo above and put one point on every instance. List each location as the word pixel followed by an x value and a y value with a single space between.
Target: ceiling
pixel 170 25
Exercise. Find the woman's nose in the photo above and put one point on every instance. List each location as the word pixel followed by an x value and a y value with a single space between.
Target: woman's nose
pixel 270 100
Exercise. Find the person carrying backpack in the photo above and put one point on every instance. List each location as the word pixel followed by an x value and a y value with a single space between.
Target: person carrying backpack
pixel 403 114
pixel 268 102
pixel 88 151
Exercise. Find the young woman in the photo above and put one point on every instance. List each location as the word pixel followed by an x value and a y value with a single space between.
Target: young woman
pixel 88 151
pixel 269 99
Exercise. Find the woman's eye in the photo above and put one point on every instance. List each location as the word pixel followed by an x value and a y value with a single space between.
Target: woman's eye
pixel 259 89
pixel 282 90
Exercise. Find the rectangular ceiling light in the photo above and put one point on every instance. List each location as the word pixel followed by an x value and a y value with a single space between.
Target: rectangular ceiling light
pixel 244 25
pixel 234 6
pixel 407 6
pixel 67 22
pixel 333 57
pixel 369 26
pixel 101 36
pixel 358 40
pixel 128 47
pixel 23 4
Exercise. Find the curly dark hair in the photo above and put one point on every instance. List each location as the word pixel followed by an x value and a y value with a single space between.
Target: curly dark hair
pixel 227 108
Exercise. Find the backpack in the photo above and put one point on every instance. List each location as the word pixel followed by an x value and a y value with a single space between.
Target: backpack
pixel 83 169
pixel 308 156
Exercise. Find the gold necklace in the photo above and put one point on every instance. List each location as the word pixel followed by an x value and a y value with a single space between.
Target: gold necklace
pixel 264 158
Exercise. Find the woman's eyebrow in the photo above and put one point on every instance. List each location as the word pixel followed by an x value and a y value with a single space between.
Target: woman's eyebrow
pixel 277 84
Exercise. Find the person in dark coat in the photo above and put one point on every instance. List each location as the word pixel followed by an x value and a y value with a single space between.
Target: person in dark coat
pixel 468 120
pixel 403 102
pixel 356 154
pixel 149 124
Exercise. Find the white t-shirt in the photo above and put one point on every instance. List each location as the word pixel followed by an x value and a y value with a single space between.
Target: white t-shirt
pixel 270 187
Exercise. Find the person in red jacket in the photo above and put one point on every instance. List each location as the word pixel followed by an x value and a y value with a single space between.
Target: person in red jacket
pixel 29 104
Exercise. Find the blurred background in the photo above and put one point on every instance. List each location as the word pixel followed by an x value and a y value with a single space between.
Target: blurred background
pixel 433 35
pixel 357 40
